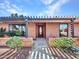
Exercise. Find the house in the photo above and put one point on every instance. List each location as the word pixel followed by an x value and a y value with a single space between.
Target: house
pixel 43 26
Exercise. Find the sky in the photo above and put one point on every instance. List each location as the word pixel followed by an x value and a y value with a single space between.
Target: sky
pixel 40 7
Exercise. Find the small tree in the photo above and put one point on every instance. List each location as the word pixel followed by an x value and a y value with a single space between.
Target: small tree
pixel 15 42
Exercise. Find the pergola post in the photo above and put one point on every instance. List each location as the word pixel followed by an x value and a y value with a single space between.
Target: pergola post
pixel 26 28
pixel 72 27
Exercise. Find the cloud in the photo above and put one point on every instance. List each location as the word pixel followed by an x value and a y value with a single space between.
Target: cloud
pixel 47 2
pixel 53 8
pixel 11 8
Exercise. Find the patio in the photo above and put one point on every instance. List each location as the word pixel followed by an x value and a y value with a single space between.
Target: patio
pixel 42 53
pixel 40 50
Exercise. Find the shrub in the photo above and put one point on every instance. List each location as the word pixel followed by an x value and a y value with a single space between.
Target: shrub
pixel 63 42
pixel 15 42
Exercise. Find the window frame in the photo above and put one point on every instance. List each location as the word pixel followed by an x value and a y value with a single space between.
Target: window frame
pixel 20 25
pixel 67 29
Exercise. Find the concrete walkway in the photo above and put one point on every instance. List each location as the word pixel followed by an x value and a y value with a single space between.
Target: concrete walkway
pixel 39 43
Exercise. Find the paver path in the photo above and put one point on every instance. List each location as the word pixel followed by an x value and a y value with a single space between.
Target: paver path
pixel 39 43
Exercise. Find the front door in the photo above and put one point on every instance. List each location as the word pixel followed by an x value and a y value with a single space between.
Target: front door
pixel 41 30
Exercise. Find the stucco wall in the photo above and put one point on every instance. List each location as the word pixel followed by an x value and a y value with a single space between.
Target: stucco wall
pixel 52 30
pixel 32 30
pixel 76 29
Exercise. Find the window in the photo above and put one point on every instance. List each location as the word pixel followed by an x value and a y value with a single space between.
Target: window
pixel 18 28
pixel 40 30
pixel 63 31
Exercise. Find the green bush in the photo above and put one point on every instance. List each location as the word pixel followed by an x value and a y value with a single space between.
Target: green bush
pixel 62 42
pixel 15 42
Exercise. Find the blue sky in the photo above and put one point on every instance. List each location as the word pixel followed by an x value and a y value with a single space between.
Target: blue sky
pixel 40 7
